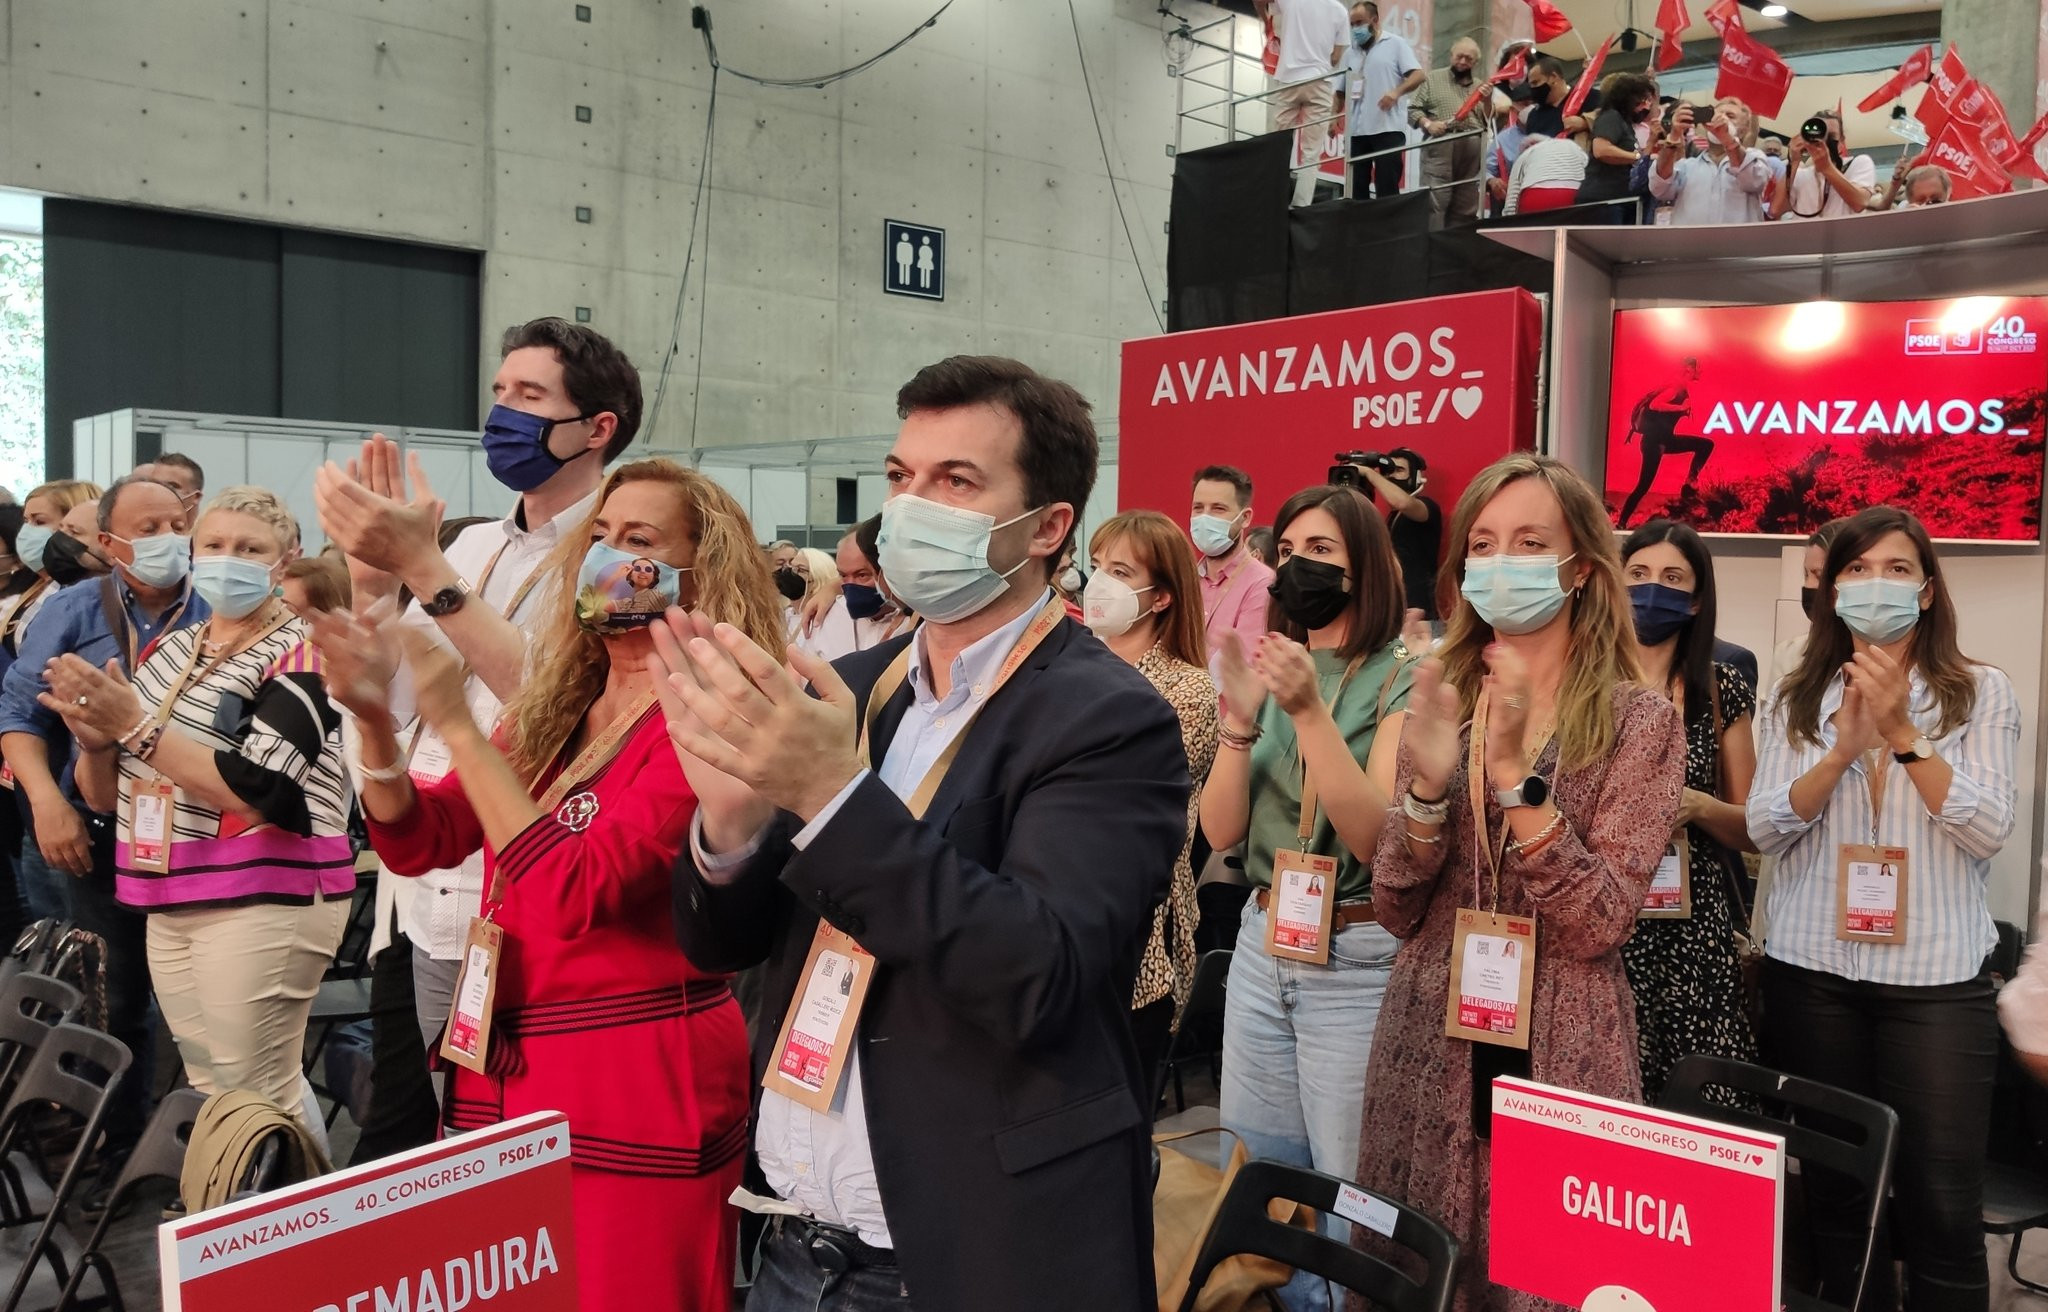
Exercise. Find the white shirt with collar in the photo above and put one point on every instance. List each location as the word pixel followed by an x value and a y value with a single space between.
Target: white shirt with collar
pixel 822 1161
pixel 445 900
pixel 1376 71
pixel 840 634
pixel 1702 189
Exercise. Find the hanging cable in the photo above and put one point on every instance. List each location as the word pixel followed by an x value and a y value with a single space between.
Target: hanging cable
pixel 822 79
pixel 1102 139
pixel 675 332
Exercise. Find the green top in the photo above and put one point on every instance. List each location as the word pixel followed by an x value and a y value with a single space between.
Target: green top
pixel 1276 767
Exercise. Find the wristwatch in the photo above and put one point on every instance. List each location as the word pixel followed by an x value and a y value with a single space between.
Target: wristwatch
pixel 1530 792
pixel 1921 750
pixel 448 600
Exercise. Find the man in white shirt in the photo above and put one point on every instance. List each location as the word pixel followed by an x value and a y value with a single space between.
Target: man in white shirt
pixel 567 403
pixel 1819 183
pixel 1313 34
pixel 1726 184
pixel 861 616
pixel 1382 70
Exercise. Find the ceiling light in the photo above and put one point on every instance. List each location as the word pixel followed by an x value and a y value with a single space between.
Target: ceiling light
pixel 1773 11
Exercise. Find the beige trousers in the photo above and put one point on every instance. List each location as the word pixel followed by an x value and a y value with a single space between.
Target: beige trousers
pixel 236 985
pixel 1297 109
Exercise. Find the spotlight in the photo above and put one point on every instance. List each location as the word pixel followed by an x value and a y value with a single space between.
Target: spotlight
pixel 1773 11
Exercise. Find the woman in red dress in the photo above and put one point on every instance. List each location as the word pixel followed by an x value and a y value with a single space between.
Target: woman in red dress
pixel 581 808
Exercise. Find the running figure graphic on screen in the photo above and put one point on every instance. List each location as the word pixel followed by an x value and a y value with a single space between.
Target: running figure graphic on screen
pixel 1656 421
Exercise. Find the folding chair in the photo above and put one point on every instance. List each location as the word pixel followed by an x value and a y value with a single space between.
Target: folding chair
pixel 77 1070
pixel 338 1002
pixel 1243 1226
pixel 1822 1125
pixel 159 1156
pixel 1201 1018
pixel 31 1006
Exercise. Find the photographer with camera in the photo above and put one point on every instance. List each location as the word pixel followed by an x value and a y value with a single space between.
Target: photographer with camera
pixel 1413 520
pixel 1727 183
pixel 1820 182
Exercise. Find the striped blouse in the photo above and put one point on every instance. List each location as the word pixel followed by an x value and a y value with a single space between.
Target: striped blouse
pixel 277 742
pixel 1948 926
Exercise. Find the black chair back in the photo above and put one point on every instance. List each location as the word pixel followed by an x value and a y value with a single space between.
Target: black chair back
pixel 77 1070
pixel 1822 1125
pixel 1200 1019
pixel 31 1005
pixel 1244 1226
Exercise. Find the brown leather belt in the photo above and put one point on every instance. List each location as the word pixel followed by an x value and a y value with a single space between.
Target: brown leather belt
pixel 1347 913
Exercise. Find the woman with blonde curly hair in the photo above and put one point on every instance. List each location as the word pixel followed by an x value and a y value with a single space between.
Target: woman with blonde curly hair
pixel 580 808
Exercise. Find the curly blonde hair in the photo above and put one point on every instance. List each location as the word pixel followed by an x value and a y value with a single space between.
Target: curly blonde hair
pixel 733 585
pixel 258 503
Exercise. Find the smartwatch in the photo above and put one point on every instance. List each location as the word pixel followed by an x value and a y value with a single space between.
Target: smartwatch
pixel 1530 792
pixel 1920 750
pixel 447 601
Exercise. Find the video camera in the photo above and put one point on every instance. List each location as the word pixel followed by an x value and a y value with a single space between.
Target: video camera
pixel 1345 472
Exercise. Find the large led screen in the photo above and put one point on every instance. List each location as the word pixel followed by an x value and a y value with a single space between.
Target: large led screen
pixel 1774 419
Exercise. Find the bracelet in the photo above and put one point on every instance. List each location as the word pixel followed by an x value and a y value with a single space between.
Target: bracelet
pixel 144 749
pixel 1232 738
pixel 140 725
pixel 1413 837
pixel 1428 813
pixel 1528 846
pixel 390 774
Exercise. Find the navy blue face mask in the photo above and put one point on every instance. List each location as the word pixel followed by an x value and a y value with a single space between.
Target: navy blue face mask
pixel 1660 611
pixel 862 601
pixel 516 446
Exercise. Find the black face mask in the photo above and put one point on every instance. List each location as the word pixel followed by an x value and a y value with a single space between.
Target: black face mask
pixel 1808 599
pixel 790 584
pixel 1311 593
pixel 67 560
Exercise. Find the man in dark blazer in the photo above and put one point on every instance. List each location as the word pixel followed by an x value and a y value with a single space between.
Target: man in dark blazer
pixel 985 1146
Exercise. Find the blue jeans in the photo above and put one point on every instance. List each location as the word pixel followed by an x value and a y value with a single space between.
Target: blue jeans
pixel 789 1281
pixel 46 893
pixel 1296 1040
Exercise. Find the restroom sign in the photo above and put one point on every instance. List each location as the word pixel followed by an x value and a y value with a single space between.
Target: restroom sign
pixel 913 260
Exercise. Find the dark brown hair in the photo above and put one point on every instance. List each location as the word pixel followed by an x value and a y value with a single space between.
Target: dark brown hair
pixel 178 461
pixel 1058 451
pixel 1376 593
pixel 596 374
pixel 1829 644
pixel 326 580
pixel 1624 91
pixel 1159 548
pixel 1230 474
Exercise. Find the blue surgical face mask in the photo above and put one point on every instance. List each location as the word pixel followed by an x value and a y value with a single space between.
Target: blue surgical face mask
pixel 1660 610
pixel 160 560
pixel 1213 534
pixel 233 585
pixel 29 544
pixel 936 557
pixel 516 447
pixel 1361 36
pixel 863 601
pixel 1515 594
pixel 617 591
pixel 1879 611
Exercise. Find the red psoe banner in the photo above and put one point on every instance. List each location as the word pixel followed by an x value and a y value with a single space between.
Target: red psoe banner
pixel 1775 419
pixel 1752 72
pixel 1453 377
pixel 479 1219
pixel 1607 1206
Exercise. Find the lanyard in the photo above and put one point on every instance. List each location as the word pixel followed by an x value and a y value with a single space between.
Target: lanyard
pixel 1877 772
pixel 596 754
pixel 893 677
pixel 1475 777
pixel 121 625
pixel 1307 828
pixel 186 680
pixel 519 593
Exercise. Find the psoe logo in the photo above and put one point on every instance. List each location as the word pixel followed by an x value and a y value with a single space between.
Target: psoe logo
pixel 1928 337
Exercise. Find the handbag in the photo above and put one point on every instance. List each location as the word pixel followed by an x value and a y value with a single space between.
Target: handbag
pixel 1185 1201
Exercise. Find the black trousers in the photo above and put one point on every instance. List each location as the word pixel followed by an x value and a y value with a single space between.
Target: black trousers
pixel 404 1112
pixel 131 1007
pixel 1655 448
pixel 1931 1054
pixel 1381 175
pixel 1152 1031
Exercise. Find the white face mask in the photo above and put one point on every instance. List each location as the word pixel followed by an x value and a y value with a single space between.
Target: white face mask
pixel 1109 605
pixel 936 557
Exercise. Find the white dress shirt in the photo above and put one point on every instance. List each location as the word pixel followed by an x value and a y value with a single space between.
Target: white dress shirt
pixel 840 634
pixel 1704 190
pixel 1309 30
pixel 445 900
pixel 1948 926
pixel 822 1161
pixel 1809 192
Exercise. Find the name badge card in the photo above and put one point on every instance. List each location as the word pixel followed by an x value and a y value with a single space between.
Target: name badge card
pixel 810 1053
pixel 149 825
pixel 1493 978
pixel 1870 894
pixel 467 1041
pixel 1670 896
pixel 1303 906
pixel 431 760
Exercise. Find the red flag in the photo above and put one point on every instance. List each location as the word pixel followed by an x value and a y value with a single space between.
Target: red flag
pixel 1971 171
pixel 1948 80
pixel 1550 21
pixel 1512 71
pixel 1672 20
pixel 1269 56
pixel 1910 74
pixel 1591 75
pixel 1724 14
pixel 1752 72
pixel 2031 164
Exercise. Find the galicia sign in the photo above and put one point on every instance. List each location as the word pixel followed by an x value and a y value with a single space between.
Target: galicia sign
pixel 1599 1203
pixel 478 1221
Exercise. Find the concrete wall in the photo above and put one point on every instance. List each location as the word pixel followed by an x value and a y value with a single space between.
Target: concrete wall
pixel 454 122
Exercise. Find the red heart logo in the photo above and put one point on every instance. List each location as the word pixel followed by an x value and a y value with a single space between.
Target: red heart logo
pixel 1758 1158
pixel 549 1144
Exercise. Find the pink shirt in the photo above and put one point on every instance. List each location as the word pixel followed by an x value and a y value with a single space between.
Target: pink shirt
pixel 1234 596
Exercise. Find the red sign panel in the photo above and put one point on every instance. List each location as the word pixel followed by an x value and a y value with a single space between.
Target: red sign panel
pixel 483 1218
pixel 1777 418
pixel 1453 377
pixel 1611 1207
